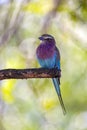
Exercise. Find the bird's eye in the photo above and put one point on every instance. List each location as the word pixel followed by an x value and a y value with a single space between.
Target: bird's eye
pixel 48 39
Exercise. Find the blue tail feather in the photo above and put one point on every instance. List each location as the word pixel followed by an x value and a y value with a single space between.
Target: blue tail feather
pixel 57 88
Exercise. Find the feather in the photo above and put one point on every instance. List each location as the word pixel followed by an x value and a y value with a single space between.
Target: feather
pixel 57 88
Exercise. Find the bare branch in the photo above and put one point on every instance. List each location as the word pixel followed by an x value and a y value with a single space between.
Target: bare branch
pixel 29 73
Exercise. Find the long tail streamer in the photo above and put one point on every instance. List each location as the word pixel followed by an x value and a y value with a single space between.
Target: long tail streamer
pixel 57 88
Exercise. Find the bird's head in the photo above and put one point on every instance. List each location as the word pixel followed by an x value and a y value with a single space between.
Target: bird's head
pixel 47 37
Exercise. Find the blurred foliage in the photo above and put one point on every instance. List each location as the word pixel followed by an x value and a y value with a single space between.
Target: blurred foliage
pixel 33 104
pixel 38 7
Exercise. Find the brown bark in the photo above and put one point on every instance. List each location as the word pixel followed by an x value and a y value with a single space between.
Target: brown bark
pixel 29 73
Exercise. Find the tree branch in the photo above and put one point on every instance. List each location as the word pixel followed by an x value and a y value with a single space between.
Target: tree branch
pixel 29 73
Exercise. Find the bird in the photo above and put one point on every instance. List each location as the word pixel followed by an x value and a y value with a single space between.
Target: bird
pixel 48 56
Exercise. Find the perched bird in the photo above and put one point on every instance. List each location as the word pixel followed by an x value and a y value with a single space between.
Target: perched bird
pixel 48 56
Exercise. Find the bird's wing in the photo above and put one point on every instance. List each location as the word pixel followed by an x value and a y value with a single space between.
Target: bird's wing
pixel 57 53
pixel 57 62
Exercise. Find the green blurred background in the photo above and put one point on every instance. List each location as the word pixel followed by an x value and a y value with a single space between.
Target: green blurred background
pixel 33 104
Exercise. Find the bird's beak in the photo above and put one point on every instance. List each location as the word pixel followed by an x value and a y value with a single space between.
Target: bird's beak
pixel 41 38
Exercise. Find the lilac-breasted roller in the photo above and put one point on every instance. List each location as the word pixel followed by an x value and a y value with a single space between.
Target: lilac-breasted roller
pixel 49 57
